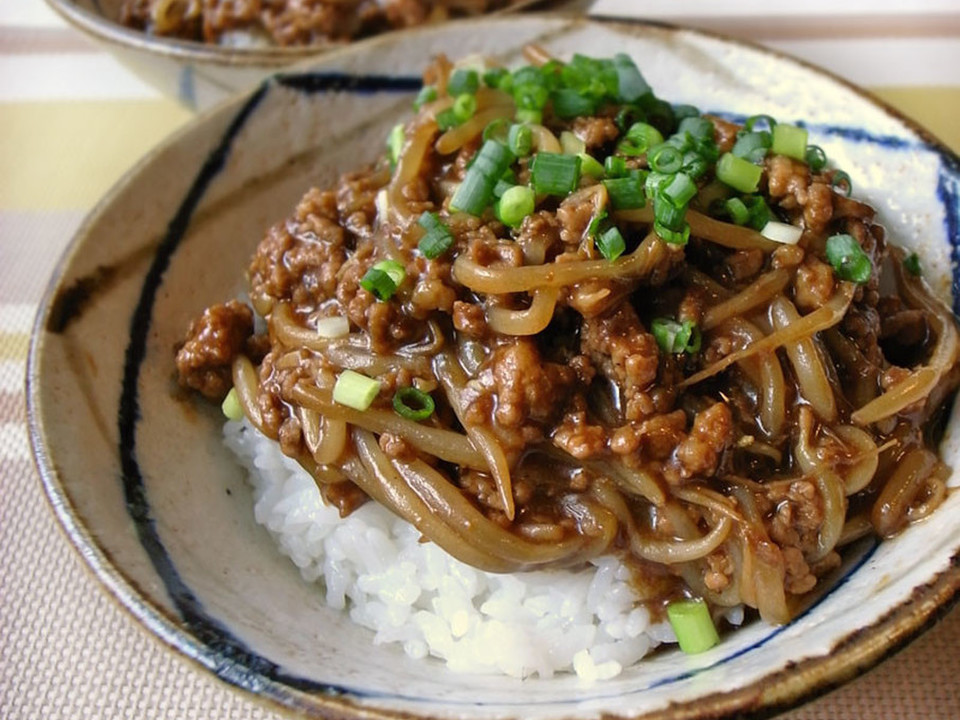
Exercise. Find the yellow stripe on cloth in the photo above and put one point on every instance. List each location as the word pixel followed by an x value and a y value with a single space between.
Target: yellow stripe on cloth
pixel 936 108
pixel 14 346
pixel 66 155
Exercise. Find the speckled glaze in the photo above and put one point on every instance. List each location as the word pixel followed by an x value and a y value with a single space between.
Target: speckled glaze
pixel 197 74
pixel 137 474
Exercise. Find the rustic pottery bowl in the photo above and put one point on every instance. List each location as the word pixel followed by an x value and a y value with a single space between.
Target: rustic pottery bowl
pixel 197 74
pixel 140 480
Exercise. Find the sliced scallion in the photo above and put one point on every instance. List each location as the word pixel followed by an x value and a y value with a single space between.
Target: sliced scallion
pixel 413 404
pixel 520 140
pixel 464 107
pixel 626 193
pixel 752 146
pixel 842 181
pixel 912 265
pixel 569 103
pixel 383 279
pixel 531 117
pixel 615 166
pixel 737 211
pixel 395 143
pixel 680 190
pixel 438 238
pixel 738 173
pixel 555 173
pixel 638 139
pixel 630 83
pixel 698 127
pixel 355 390
pixel 672 236
pixel 590 166
pixel 610 243
pixel 693 626
pixel 816 158
pixel 571 144
pixel 665 158
pixel 463 80
pixel 756 120
pixel 675 337
pixel 789 140
pixel 476 191
pixel 231 407
pixel 447 119
pixel 428 93
pixel 849 260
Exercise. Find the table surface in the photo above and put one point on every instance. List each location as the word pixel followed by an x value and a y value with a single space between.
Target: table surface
pixel 72 120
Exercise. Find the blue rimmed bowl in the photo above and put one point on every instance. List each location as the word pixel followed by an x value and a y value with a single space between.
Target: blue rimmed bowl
pixel 146 491
pixel 197 74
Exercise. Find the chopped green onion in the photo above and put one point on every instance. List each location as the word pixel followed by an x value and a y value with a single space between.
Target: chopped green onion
pixel 912 265
pixel 694 165
pixel 630 83
pixel 626 193
pixel 760 212
pixel 531 117
pixel 693 626
pixel 666 212
pixel 355 390
pixel 674 337
pixel 738 173
pixel 680 190
pixel 496 130
pixel 476 191
pixel 755 120
pixel 615 166
pixel 464 107
pixel 737 210
pixel 413 404
pixel 611 243
pixel 682 141
pixel 590 166
pixel 520 140
pixel 790 140
pixel 698 127
pixel 463 80
pixel 428 93
pixel 515 204
pixel 638 139
pixel 554 173
pixel 231 406
pixel 782 232
pixel 670 235
pixel 333 327
pixel 849 260
pixel 752 146
pixel 495 77
pixel 395 143
pixel 842 181
pixel 383 279
pixel 569 103
pixel 665 158
pixel 571 144
pixel 595 223
pixel 816 158
pixel 531 96
pixel 447 119
pixel 682 111
pixel 438 238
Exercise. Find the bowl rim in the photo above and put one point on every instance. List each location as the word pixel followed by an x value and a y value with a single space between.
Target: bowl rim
pixel 114 34
pixel 771 695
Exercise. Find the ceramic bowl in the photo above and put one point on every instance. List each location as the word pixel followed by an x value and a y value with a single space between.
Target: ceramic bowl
pixel 139 477
pixel 196 74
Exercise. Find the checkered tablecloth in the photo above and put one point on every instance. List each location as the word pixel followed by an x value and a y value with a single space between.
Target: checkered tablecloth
pixel 72 121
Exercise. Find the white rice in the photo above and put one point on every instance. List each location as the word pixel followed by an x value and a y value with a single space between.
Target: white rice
pixel 373 565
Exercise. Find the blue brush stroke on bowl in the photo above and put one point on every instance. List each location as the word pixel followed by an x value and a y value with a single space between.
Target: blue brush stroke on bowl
pixel 225 654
